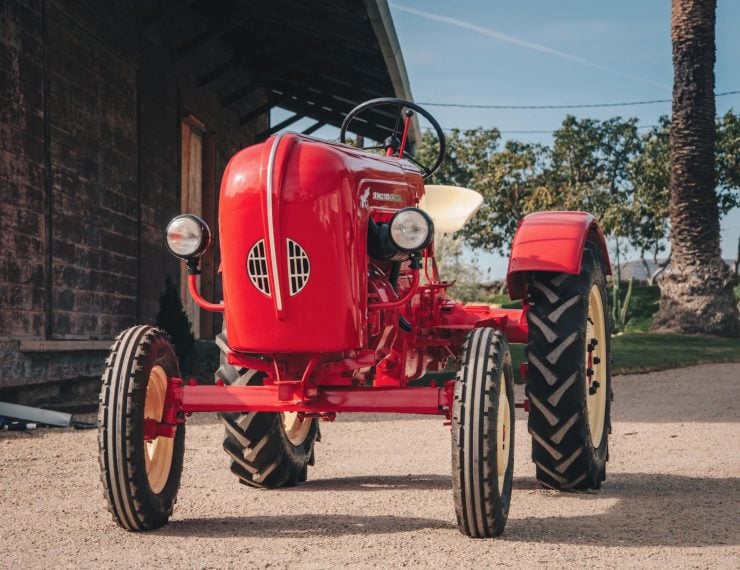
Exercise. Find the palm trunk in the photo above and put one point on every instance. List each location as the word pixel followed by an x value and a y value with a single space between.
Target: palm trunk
pixel 696 292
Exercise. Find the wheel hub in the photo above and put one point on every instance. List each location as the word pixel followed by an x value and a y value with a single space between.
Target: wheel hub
pixel 158 452
pixel 504 434
pixel 296 427
pixel 596 393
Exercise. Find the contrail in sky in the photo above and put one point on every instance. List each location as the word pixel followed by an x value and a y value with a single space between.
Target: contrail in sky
pixel 512 40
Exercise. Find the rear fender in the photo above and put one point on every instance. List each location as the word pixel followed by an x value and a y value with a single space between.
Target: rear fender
pixel 552 241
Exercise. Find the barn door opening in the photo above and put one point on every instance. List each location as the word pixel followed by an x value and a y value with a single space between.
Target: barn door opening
pixel 198 196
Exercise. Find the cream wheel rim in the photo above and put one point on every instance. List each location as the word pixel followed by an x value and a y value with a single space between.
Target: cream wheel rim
pixel 296 428
pixel 503 433
pixel 595 385
pixel 158 452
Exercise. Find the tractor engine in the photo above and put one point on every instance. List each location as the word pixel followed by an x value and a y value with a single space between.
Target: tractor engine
pixel 293 221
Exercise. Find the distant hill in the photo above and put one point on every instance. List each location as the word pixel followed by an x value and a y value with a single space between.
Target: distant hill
pixel 636 269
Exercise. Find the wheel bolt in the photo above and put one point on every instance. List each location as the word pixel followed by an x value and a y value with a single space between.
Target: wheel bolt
pixel 597 360
pixel 594 387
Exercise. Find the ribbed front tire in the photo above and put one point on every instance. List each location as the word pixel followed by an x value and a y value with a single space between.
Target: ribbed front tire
pixel 483 435
pixel 140 478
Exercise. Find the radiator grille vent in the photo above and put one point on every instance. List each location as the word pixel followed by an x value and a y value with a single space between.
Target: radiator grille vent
pixel 299 267
pixel 257 267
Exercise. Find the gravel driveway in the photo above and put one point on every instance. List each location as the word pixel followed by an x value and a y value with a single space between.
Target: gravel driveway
pixel 380 495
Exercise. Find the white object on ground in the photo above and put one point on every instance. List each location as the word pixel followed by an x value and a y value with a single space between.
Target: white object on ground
pixel 38 415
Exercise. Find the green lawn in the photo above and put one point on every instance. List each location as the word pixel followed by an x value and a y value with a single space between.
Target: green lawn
pixel 643 306
pixel 644 352
pixel 636 352
pixel 640 351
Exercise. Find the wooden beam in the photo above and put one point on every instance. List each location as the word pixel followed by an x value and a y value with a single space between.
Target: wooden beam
pixel 280 126
pixel 164 9
pixel 313 128
pixel 335 117
pixel 343 102
pixel 64 345
pixel 260 80
pixel 226 21
pixel 272 101
pixel 218 71
pixel 275 99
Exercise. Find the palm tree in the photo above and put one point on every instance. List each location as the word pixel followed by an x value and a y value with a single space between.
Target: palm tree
pixel 696 293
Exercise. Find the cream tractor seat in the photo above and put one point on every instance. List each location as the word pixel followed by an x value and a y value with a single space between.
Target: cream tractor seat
pixel 450 207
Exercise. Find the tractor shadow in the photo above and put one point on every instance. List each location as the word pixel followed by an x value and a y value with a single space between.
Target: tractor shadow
pixel 651 510
pixel 307 526
pixel 647 510
pixel 377 483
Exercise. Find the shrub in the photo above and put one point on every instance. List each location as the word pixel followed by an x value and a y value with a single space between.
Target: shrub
pixel 172 319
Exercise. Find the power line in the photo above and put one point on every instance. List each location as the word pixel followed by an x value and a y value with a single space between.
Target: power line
pixel 519 132
pixel 583 106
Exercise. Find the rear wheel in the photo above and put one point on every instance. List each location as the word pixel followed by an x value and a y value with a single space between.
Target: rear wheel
pixel 483 435
pixel 140 477
pixel 568 375
pixel 267 450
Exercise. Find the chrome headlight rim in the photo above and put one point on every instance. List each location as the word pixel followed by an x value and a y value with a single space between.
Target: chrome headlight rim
pixel 204 236
pixel 398 217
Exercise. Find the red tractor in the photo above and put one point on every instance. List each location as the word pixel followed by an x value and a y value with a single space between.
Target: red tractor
pixel 333 303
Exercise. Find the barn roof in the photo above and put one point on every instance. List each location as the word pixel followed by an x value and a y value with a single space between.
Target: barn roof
pixel 316 59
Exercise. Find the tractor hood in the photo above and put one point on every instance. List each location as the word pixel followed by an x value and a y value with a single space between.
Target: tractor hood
pixel 293 218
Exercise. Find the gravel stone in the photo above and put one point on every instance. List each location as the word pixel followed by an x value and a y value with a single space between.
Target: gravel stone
pixel 380 495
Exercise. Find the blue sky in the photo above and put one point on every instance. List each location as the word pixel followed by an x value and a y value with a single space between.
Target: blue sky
pixel 553 52
pixel 543 52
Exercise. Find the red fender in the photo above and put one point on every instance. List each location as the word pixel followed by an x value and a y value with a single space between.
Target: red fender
pixel 552 241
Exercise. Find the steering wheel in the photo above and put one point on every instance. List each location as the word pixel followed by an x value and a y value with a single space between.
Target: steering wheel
pixel 393 145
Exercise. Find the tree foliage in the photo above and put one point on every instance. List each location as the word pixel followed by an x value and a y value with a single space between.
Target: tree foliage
pixel 608 168
pixel 453 266
pixel 728 162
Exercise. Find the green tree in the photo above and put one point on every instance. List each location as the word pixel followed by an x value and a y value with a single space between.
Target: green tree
pixel 576 172
pixel 603 167
pixel 728 162
pixel 449 253
pixel 651 173
pixel 512 184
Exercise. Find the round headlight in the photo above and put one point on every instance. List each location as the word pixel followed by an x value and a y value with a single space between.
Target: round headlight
pixel 411 229
pixel 187 236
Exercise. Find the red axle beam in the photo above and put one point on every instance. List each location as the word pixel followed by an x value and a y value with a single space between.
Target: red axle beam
pixel 286 398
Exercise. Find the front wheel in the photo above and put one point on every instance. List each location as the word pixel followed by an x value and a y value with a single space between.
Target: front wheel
pixel 483 435
pixel 140 477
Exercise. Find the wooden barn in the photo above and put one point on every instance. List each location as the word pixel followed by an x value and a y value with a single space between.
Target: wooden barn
pixel 117 115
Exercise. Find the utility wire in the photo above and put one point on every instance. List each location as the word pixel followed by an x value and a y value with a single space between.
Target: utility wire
pixel 584 106
pixel 519 132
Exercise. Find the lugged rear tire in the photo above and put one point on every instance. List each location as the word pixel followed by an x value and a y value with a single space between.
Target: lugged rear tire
pixel 263 452
pixel 482 448
pixel 569 418
pixel 140 478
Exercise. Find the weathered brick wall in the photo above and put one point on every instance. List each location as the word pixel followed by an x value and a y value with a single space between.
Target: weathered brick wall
pixel 90 174
pixel 92 120
pixel 22 204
